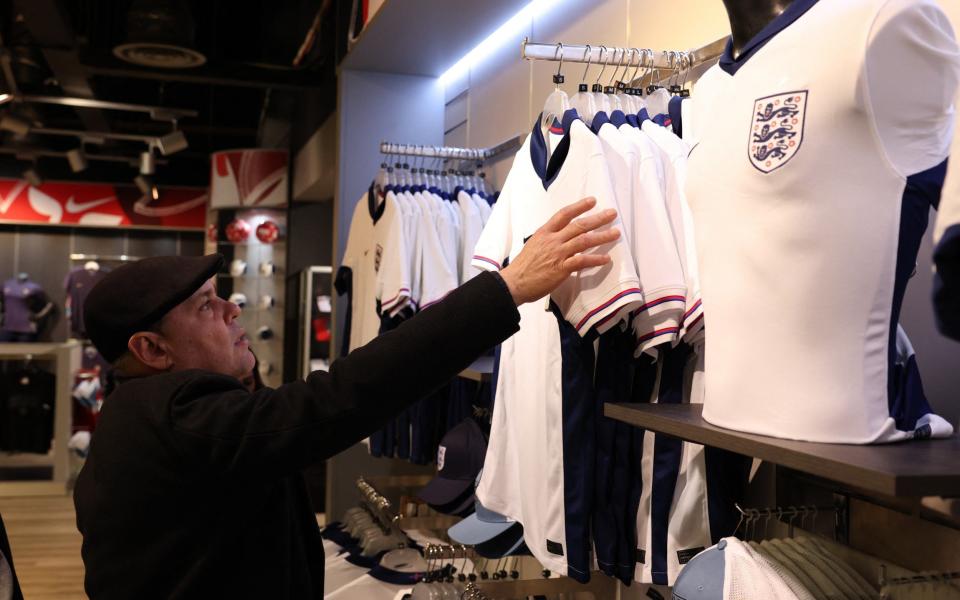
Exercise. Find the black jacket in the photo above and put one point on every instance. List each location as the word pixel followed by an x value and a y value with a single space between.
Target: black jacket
pixel 192 487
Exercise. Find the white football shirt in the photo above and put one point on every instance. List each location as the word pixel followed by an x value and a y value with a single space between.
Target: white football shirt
pixel 472 224
pixel 538 467
pixel 648 235
pixel 810 188
pixel 674 153
pixel 360 257
pixel 391 257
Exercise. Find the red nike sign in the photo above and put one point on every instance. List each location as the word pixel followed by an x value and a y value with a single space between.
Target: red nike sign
pixel 101 205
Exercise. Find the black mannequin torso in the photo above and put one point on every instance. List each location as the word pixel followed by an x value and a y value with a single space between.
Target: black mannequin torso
pixel 748 17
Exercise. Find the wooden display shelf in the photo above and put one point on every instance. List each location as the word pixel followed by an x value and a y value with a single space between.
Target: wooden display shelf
pixel 424 37
pixel 914 468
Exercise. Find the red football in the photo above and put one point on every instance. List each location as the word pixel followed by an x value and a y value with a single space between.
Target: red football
pixel 267 232
pixel 238 231
pixel 212 232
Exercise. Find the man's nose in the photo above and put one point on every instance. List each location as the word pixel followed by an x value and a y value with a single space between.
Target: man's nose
pixel 231 312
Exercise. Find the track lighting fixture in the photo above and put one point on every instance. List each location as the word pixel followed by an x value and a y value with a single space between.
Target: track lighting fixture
pixel 147 162
pixel 147 186
pixel 15 124
pixel 32 177
pixel 78 162
pixel 173 142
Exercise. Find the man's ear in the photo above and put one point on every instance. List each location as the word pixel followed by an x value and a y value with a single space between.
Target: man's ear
pixel 150 349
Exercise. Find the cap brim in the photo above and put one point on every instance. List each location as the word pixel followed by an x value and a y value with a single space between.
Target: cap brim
pixel 498 547
pixel 442 492
pixel 472 531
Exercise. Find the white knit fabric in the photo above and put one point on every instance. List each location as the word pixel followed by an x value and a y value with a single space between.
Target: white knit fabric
pixel 749 576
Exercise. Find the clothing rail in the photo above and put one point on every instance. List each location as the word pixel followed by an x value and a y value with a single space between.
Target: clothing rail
pixel 624 57
pixel 752 516
pixel 449 151
pixel 915 579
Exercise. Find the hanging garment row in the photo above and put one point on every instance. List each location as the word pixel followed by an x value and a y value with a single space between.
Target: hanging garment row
pixel 582 485
pixel 410 241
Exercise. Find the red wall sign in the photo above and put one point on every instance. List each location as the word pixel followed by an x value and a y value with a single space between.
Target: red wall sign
pixel 101 205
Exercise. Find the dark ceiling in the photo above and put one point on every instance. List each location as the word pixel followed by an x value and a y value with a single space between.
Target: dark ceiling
pixel 248 93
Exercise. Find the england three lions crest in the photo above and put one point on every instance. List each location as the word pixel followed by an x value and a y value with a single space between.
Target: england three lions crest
pixel 776 129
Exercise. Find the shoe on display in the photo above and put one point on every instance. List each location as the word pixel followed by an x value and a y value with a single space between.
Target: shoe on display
pixel 323 304
pixel 268 232
pixel 265 333
pixel 239 299
pixel 267 268
pixel 238 267
pixel 267 302
pixel 238 231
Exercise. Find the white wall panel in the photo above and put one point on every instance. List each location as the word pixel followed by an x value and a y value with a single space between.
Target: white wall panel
pixel 499 95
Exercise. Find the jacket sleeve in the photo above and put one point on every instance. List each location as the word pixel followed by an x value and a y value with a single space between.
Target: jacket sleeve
pixel 220 426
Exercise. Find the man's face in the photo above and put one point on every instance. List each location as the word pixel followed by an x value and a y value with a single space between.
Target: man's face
pixel 202 332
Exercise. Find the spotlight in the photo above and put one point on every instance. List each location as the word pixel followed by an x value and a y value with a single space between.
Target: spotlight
pixel 144 183
pixel 14 124
pixel 147 163
pixel 78 162
pixel 32 177
pixel 154 192
pixel 174 141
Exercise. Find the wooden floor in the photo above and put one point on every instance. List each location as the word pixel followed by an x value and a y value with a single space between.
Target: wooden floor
pixel 45 545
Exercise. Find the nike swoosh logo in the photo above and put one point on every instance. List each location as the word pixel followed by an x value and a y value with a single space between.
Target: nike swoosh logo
pixel 77 207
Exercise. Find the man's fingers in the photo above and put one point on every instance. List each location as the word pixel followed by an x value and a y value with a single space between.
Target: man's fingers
pixel 586 241
pixel 568 213
pixel 585 261
pixel 588 223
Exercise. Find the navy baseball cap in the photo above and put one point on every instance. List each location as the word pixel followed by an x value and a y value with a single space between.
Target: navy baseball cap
pixel 459 461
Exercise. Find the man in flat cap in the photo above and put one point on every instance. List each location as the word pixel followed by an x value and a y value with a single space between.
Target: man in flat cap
pixel 192 487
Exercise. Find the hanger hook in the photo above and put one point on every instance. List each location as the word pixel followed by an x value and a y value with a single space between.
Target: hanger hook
pixel 740 522
pixel 633 51
pixel 587 54
pixel 613 75
pixel 558 78
pixel 603 51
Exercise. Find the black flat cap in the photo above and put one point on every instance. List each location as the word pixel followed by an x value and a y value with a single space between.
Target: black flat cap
pixel 137 295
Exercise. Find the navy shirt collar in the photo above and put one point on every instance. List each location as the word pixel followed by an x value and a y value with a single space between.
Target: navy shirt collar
pixel 793 12
pixel 548 170
pixel 376 210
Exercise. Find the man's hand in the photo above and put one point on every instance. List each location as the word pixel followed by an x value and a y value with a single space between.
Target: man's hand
pixel 556 250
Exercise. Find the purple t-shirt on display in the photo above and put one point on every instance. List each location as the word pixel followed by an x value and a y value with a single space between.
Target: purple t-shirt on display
pixel 16 312
pixel 78 284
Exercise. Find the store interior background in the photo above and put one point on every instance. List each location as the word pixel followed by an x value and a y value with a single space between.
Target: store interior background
pixel 332 117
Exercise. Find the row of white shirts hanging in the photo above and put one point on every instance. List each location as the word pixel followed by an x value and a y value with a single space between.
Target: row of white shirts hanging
pixel 410 243
pixel 624 151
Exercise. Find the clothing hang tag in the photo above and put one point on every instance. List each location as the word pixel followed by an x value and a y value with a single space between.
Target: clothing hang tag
pixel 554 547
pixel 684 556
